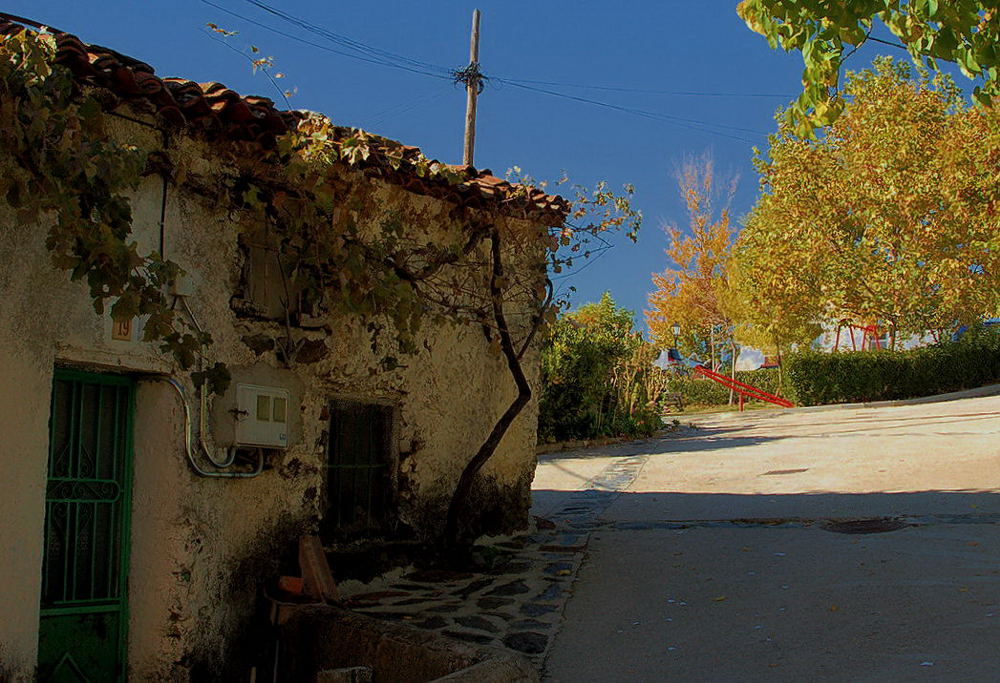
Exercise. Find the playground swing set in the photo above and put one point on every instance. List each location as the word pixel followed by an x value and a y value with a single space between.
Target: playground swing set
pixel 870 337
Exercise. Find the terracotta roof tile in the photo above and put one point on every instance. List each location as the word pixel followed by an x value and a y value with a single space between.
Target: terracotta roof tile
pixel 214 108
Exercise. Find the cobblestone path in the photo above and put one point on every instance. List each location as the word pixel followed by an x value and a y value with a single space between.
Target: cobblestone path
pixel 517 605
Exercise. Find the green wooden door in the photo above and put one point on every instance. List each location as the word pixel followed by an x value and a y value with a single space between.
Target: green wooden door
pixel 84 614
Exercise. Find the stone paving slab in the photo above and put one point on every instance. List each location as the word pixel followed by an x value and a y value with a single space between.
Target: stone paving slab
pixel 517 605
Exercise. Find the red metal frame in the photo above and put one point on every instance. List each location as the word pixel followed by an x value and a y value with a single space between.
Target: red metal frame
pixel 868 332
pixel 742 389
pixel 871 331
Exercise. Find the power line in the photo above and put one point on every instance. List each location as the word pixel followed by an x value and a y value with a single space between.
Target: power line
pixel 385 58
pixel 346 41
pixel 403 107
pixel 648 91
pixel 856 47
pixel 319 46
pixel 888 42
pixel 693 124
pixel 370 54
pixel 360 46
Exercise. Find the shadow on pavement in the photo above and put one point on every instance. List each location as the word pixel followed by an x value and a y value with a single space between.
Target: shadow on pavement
pixel 970 506
pixel 689 441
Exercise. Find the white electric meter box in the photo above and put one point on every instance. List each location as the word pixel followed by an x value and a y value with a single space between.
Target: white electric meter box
pixel 261 416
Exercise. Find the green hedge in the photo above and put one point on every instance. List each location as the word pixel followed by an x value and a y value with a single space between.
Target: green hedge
pixel 701 391
pixel 862 376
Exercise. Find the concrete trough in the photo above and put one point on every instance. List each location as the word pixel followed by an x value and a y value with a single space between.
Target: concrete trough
pixel 317 638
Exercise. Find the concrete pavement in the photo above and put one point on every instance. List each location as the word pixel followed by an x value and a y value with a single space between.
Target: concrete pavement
pixel 711 555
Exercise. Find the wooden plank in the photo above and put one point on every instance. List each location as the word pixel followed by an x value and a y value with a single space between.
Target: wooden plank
pixel 316 572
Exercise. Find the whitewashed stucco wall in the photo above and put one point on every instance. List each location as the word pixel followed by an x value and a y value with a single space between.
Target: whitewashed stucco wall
pixel 200 547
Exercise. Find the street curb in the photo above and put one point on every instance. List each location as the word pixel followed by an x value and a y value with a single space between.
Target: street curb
pixel 978 392
pixel 578 444
pixel 582 444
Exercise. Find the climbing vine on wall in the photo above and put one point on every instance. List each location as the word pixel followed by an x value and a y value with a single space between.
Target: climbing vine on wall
pixel 390 277
pixel 62 168
pixel 337 264
pixel 394 277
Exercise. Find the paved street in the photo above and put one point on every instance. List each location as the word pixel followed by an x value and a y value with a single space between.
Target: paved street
pixel 719 553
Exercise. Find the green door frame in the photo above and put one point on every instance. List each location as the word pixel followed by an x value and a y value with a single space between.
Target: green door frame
pixel 77 491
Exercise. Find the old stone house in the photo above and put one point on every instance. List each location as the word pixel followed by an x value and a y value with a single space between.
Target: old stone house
pixel 138 520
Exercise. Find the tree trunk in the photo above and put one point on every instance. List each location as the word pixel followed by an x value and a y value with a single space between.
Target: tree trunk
pixel 711 347
pixel 459 499
pixel 732 372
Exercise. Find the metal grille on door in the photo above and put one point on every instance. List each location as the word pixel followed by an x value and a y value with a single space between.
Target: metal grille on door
pixel 87 498
pixel 358 475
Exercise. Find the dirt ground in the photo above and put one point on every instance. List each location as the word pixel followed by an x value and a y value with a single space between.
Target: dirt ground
pixel 718 553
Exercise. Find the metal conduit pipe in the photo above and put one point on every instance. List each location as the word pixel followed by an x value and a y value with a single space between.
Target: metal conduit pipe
pixel 203 412
pixel 179 388
pixel 203 429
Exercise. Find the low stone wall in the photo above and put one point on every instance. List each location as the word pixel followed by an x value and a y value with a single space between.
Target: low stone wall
pixel 321 637
pixel 579 444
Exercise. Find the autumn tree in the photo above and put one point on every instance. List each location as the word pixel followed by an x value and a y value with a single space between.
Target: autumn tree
pixel 692 290
pixel 763 323
pixel 965 32
pixel 889 218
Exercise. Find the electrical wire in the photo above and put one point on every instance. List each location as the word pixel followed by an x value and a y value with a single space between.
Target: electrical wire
pixel 856 48
pixel 693 124
pixel 403 107
pixel 347 42
pixel 320 46
pixel 383 54
pixel 375 52
pixel 888 42
pixel 648 91
pixel 361 51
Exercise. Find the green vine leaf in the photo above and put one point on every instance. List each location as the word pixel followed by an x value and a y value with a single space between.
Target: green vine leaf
pixel 67 166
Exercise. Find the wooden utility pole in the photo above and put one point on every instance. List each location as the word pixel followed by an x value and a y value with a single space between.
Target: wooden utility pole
pixel 473 83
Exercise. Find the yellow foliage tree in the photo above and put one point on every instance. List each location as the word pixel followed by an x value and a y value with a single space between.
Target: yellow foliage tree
pixel 691 292
pixel 888 218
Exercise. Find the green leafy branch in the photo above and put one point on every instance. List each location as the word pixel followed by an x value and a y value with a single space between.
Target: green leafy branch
pixel 61 165
pixel 965 32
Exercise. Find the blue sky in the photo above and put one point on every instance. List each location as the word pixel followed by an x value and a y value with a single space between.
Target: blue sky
pixel 672 46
